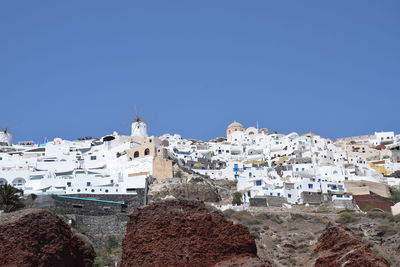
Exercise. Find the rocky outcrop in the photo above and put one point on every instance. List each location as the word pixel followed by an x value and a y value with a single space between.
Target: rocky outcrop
pixel 39 238
pixel 185 233
pixel 202 192
pixel 338 246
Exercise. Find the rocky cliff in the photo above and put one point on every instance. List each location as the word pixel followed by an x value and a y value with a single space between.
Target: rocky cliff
pixel 185 233
pixel 39 238
pixel 338 246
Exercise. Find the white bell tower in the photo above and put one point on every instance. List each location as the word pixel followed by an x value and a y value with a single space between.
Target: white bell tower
pixel 139 128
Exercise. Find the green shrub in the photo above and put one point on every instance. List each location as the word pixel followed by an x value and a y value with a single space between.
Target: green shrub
pixel 374 214
pixel 388 229
pixel 346 218
pixel 394 194
pixel 10 198
pixel 297 216
pixel 61 211
pixel 237 198
pixel 82 230
pixel 111 242
pixel 263 216
pixel 395 218
pixel 345 211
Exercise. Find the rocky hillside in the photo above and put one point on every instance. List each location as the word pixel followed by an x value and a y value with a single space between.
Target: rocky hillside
pixel 289 237
pixel 39 238
pixel 190 185
pixel 338 246
pixel 185 233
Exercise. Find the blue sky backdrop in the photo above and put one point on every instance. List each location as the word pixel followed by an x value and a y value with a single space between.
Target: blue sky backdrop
pixel 78 68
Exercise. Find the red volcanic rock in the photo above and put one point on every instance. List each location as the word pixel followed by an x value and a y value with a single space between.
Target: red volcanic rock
pixel 338 246
pixel 39 238
pixel 184 233
pixel 242 262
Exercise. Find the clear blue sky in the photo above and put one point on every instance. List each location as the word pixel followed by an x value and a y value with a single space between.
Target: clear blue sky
pixel 78 68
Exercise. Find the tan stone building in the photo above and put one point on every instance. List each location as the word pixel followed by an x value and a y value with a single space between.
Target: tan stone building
pixel 151 147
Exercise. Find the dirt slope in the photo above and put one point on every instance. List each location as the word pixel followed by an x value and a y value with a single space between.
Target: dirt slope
pixel 39 238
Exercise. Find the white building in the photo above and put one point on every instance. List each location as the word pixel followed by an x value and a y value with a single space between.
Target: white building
pixel 113 164
pixel 264 163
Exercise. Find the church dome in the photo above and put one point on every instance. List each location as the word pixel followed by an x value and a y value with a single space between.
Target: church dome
pixel 234 127
pixel 235 124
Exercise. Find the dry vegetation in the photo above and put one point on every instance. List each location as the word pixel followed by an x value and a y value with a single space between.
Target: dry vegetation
pixel 288 238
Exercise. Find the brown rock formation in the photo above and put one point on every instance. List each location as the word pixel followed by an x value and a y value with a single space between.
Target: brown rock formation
pixel 241 261
pixel 184 233
pixel 39 238
pixel 338 246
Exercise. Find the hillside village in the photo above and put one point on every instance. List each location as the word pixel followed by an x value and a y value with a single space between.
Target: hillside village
pixel 283 199
pixel 269 169
pixel 293 168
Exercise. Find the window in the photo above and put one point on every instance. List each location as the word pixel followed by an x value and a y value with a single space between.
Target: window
pixel 93 157
pixel 124 208
pixel 258 182
pixel 92 190
pixel 278 194
pixel 289 195
pixel 88 184
pixel 310 186
pixel 136 154
pixel 131 190
pixel 78 190
pixel 147 152
pixel 69 184
pixel 106 190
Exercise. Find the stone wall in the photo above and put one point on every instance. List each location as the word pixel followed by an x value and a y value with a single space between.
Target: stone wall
pixel 344 204
pixel 98 228
pixel 267 201
pixel 98 208
pixel 311 197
